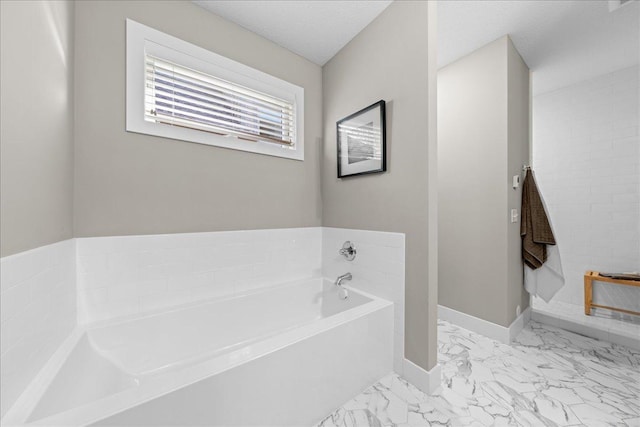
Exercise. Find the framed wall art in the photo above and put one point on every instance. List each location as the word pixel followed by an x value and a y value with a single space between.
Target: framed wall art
pixel 362 142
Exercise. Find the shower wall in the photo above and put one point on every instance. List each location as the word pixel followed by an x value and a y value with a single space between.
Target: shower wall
pixel 586 153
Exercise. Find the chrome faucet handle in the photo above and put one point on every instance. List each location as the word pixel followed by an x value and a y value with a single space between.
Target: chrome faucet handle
pixel 348 251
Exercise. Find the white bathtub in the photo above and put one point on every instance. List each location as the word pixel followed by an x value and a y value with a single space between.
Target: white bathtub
pixel 285 356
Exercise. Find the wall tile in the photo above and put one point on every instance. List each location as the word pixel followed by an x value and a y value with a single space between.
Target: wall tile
pixel 38 298
pixel 377 269
pixel 47 291
pixel 591 183
pixel 129 275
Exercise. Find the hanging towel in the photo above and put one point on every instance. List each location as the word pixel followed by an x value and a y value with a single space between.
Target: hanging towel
pixel 543 275
pixel 546 281
pixel 535 230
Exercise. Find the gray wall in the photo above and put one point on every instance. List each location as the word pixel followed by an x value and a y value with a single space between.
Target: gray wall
pixel 124 183
pixel 388 60
pixel 518 148
pixel 36 137
pixel 483 134
pixel 129 183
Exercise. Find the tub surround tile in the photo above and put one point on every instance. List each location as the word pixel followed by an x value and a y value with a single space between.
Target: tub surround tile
pixel 46 292
pixel 548 377
pixel 142 273
pixel 378 268
pixel 38 298
pixel 129 275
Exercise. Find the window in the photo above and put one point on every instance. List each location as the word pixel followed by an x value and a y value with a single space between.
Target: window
pixel 181 91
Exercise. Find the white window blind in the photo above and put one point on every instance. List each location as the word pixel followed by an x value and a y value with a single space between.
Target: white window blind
pixel 178 96
pixel 181 91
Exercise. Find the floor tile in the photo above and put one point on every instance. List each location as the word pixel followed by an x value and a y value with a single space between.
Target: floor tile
pixel 547 377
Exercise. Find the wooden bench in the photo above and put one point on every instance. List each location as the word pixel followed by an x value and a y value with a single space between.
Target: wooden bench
pixel 589 277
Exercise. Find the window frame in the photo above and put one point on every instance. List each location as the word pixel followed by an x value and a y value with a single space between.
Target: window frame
pixel 141 39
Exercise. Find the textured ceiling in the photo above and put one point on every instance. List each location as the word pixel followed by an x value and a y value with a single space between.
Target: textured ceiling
pixel 563 42
pixel 316 30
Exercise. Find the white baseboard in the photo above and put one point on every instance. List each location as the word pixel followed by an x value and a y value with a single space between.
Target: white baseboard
pixel 426 381
pixel 499 333
pixel 518 325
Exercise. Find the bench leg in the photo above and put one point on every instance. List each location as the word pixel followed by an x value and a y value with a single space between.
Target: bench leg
pixel 588 294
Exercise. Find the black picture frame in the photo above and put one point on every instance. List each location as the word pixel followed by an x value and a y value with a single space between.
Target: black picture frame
pixel 362 142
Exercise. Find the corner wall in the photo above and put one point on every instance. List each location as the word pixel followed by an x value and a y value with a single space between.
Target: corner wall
pixel 483 141
pixel 133 184
pixel 518 149
pixel 37 286
pixel 36 148
pixel 389 60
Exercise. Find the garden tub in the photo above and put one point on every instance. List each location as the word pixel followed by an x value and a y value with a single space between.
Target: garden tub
pixel 287 355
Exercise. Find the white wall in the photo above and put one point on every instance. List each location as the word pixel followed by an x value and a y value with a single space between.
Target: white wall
pixel 586 154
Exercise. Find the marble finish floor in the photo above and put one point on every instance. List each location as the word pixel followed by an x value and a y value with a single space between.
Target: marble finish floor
pixel 548 377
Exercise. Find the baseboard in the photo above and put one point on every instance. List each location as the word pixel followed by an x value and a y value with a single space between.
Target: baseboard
pixel 491 330
pixel 426 381
pixel 518 325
